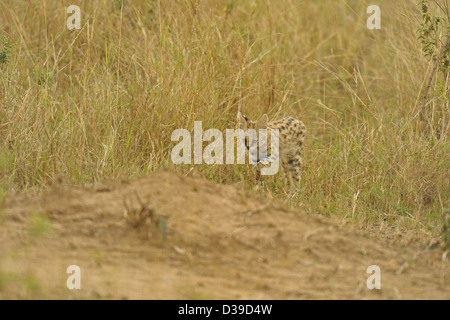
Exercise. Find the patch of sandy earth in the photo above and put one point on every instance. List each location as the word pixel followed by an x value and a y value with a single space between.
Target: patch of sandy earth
pixel 166 236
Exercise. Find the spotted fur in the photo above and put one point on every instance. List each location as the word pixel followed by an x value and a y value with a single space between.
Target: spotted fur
pixel 292 135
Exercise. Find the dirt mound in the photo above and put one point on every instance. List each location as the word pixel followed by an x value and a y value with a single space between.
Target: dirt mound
pixel 171 237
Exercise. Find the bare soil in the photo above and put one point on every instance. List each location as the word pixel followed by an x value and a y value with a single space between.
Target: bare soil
pixel 171 237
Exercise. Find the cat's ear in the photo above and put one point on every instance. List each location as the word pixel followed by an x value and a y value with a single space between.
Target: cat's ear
pixel 242 122
pixel 262 122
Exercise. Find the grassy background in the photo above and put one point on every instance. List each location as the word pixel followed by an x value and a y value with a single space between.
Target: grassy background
pixel 101 102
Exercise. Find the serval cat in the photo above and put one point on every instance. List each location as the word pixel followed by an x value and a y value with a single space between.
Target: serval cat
pixel 292 134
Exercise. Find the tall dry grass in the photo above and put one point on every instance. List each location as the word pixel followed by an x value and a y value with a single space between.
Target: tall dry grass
pixel 101 102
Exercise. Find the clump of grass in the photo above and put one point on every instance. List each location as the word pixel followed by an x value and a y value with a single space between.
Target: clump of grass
pixel 5 50
pixel 98 256
pixel 5 167
pixel 26 285
pixel 193 293
pixel 2 203
pixel 144 217
pixel 32 286
pixel 39 225
pixel 434 35
pixel 44 77
pixel 446 230
pixel 137 71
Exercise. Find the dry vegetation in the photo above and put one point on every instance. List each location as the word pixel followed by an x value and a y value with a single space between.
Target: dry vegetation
pixel 101 102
